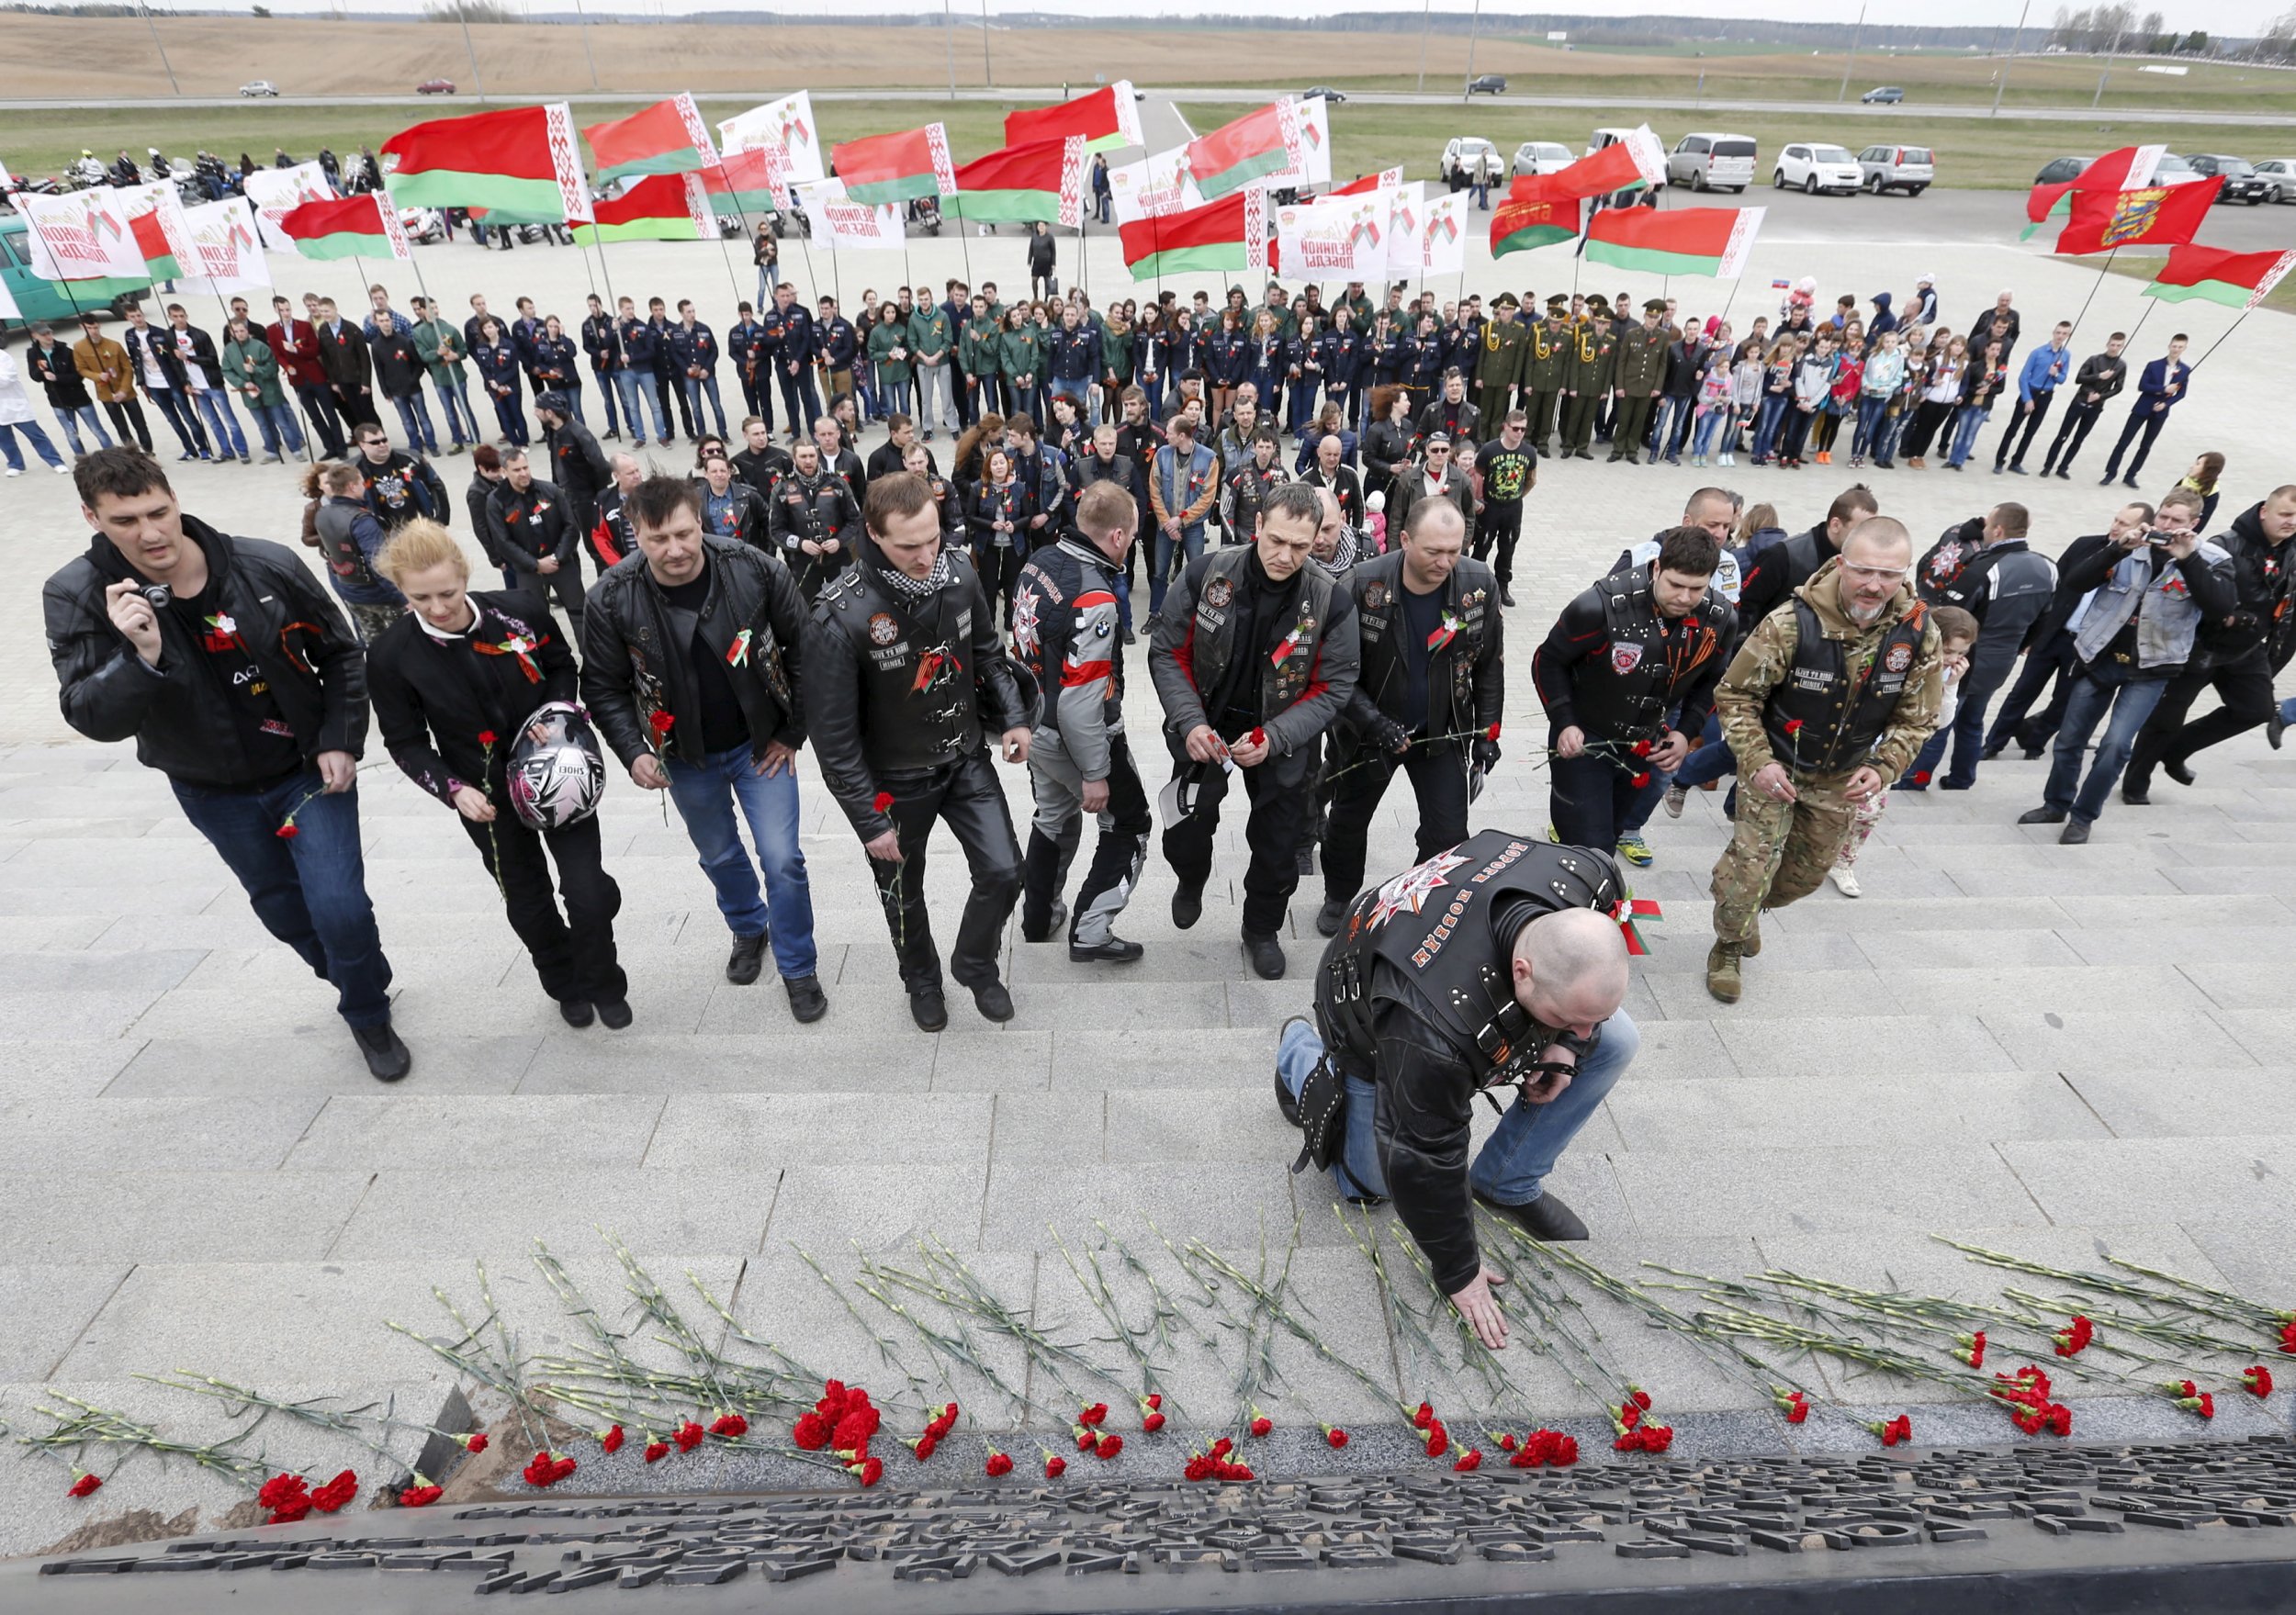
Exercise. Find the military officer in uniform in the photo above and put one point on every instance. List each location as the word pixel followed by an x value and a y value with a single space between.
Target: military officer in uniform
pixel 1639 370
pixel 1253 657
pixel 1067 629
pixel 1984 566
pixel 1499 363
pixel 1549 348
pixel 1622 658
pixel 1427 695
pixel 1495 964
pixel 1825 703
pixel 905 678
pixel 1585 373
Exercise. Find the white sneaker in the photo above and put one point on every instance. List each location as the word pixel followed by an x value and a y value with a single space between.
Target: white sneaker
pixel 1676 796
pixel 14 472
pixel 61 470
pixel 1845 880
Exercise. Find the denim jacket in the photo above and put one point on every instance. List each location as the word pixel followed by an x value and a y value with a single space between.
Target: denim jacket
pixel 2169 619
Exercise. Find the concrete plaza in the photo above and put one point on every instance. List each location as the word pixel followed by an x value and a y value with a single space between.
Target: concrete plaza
pixel 2031 1046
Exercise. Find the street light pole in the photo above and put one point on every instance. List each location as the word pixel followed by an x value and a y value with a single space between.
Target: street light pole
pixel 2110 51
pixel 1850 62
pixel 581 19
pixel 1473 24
pixel 988 68
pixel 173 89
pixel 477 82
pixel 948 35
pixel 1426 17
pixel 2001 83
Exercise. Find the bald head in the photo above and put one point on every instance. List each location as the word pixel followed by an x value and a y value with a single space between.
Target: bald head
pixel 1571 968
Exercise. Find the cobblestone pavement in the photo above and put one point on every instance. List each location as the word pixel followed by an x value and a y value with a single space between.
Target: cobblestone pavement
pixel 2031 1046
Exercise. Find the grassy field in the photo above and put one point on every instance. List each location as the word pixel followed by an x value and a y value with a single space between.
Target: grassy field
pixel 2001 154
pixel 2282 297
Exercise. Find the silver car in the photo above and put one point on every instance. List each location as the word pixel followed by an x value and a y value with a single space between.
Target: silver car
pixel 2279 174
pixel 1543 157
pixel 1910 169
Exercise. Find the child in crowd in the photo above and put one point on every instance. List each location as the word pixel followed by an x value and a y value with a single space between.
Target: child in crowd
pixel 2206 473
pixel 1957 632
pixel 1712 417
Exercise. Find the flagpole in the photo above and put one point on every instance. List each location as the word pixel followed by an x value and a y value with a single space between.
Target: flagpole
pixel 2103 271
pixel 2150 304
pixel 2219 343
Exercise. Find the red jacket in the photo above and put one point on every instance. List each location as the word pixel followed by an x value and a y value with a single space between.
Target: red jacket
pixel 296 349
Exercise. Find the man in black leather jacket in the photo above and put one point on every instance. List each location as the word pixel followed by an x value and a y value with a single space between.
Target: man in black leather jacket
pixel 238 678
pixel 905 678
pixel 1496 963
pixel 691 666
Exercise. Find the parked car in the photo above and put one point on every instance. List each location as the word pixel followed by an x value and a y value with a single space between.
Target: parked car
pixel 435 87
pixel 1815 168
pixel 2236 180
pixel 259 87
pixel 2279 174
pixel 1712 162
pixel 2173 170
pixel 2170 171
pixel 1543 157
pixel 1489 83
pixel 60 304
pixel 1461 154
pixel 1322 93
pixel 1884 96
pixel 1642 195
pixel 1909 169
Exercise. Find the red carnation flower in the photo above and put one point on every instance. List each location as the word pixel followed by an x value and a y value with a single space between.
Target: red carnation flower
pixel 84 1484
pixel 288 1513
pixel 1639 1397
pixel 868 1471
pixel 282 1489
pixel 1262 1425
pixel 485 738
pixel 998 1463
pixel 1423 1417
pixel 1151 1401
pixel 2288 1337
pixel 1233 1471
pixel 1259 736
pixel 688 1436
pixel 1643 748
pixel 1054 1466
pixel 812 1432
pixel 1899 1429
pixel 1562 1450
pixel 1094 1414
pixel 332 1497
pixel 2074 1336
pixel 1920 777
pixel 661 721
pixel 418 1497
pixel 1335 1438
pixel 1798 1412
pixel 285 833
pixel 1086 1439
pixel 1152 1424
pixel 1656 1437
pixel 859 1423
pixel 656 1450
pixel 612 1441
pixel 1109 1447
pixel 1198 1468
pixel 1491 732
pixel 732 1426
pixel 1794 725
pixel 542 1470
pixel 1469 1460
pixel 2060 1419
pixel 1639 780
pixel 1507 1443
pixel 477 1443
pixel 1222 1447
pixel 883 803
pixel 2257 1381
pixel 1438 1440
pixel 924 1446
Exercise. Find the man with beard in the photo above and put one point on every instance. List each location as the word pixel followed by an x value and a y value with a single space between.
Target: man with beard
pixel 1066 629
pixel 1254 657
pixel 1427 695
pixel 815 518
pixel 1825 703
pixel 903 680
pixel 1627 675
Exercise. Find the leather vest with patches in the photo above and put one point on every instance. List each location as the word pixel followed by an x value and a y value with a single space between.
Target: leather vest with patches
pixel 918 709
pixel 1290 668
pixel 1624 690
pixel 1839 716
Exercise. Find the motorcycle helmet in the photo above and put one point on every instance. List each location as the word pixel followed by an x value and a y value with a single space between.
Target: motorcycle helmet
pixel 557 770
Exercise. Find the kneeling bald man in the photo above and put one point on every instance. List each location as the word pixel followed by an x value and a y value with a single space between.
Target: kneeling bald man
pixel 1496 962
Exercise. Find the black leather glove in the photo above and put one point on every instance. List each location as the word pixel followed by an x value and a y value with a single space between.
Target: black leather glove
pixel 1389 735
pixel 1486 755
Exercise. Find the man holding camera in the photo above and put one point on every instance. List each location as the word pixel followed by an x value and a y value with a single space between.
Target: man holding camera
pixel 237 678
pixel 2154 587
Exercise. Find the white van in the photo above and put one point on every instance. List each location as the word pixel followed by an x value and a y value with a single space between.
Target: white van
pixel 1712 162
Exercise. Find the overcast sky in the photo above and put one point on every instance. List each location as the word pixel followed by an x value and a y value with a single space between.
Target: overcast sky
pixel 2235 16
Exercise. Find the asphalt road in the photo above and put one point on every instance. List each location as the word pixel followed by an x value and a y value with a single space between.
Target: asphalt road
pixel 1880 115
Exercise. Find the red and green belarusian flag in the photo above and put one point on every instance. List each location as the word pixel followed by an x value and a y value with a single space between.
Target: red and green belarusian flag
pixel 1623 165
pixel 667 137
pixel 901 167
pixel 1236 154
pixel 1230 233
pixel 659 207
pixel 1537 211
pixel 348 227
pixel 755 181
pixel 1044 179
pixel 2107 220
pixel 1675 241
pixel 522 161
pixel 1105 119
pixel 2237 280
pixel 2116 170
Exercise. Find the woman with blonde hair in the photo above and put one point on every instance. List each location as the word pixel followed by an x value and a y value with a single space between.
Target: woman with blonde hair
pixel 453 681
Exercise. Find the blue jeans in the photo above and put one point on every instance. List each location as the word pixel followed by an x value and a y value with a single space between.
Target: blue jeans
pixel 454 402
pixel 1671 425
pixel 1766 427
pixel 695 387
pixel 706 793
pixel 1966 731
pixel 605 379
pixel 310 891
pixel 215 407
pixel 636 394
pixel 414 420
pixel 1512 1167
pixel 38 436
pixel 178 407
pixel 1081 392
pixel 1160 575
pixel 1965 428
pixel 1710 425
pixel 572 387
pixel 1871 412
pixel 277 422
pixel 2083 711
pixel 73 420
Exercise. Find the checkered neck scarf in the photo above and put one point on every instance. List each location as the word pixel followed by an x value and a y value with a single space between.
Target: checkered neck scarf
pixel 916 589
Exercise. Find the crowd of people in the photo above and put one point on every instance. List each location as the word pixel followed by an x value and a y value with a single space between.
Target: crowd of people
pixel 1323 613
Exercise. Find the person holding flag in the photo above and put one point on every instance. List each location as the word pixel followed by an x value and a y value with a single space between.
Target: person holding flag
pixel 2158 390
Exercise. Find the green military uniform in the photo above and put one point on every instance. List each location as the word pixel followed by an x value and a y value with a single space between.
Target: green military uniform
pixel 1861 697
pixel 1500 359
pixel 1550 349
pixel 1638 372
pixel 1585 376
